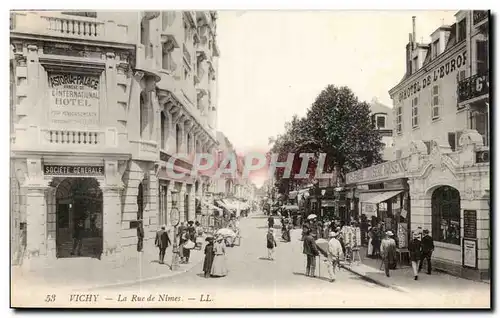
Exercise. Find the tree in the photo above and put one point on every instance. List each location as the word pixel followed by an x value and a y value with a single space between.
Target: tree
pixel 337 124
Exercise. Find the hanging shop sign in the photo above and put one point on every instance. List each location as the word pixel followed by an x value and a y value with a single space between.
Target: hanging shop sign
pixel 66 170
pixel 74 99
pixel 387 170
pixel 433 76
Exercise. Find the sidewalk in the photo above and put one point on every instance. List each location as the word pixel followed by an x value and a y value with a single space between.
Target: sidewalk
pixel 402 278
pixel 87 273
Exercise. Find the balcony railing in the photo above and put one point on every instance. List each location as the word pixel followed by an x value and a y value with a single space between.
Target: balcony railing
pixel 73 137
pixel 479 15
pixel 473 86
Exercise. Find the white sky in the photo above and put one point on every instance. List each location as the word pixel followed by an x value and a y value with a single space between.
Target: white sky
pixel 274 63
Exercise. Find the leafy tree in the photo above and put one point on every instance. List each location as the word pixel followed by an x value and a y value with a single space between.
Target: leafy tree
pixel 337 124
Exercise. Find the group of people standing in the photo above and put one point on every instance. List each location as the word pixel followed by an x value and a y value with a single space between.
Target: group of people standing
pixel 214 264
pixel 187 233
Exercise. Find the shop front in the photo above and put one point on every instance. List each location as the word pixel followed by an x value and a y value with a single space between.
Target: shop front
pixel 444 192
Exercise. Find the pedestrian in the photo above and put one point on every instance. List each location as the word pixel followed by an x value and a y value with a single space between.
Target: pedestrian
pixel 191 231
pixel 181 228
pixel 219 268
pixel 140 236
pixel 162 241
pixel 271 244
pixel 306 227
pixel 209 256
pixel 415 249
pixel 270 221
pixel 183 240
pixel 77 238
pixel 334 254
pixel 388 252
pixel 376 235
pixel 427 249
pixel 311 251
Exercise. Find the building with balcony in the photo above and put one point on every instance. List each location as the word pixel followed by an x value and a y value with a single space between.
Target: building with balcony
pixel 99 102
pixel 440 178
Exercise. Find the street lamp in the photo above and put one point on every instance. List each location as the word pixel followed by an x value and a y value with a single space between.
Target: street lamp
pixel 175 217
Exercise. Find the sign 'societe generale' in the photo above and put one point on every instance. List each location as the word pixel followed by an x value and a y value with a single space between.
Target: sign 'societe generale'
pixel 67 170
pixel 74 99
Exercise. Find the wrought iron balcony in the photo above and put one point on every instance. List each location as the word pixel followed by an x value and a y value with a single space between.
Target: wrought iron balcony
pixel 479 15
pixel 473 87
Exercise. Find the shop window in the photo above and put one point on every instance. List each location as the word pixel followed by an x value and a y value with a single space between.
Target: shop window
pixel 414 116
pixel 446 215
pixel 399 119
pixel 435 102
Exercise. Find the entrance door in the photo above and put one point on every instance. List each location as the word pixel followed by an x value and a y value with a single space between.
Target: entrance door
pixel 79 218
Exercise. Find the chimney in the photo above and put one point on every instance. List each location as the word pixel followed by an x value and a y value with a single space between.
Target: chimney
pixel 414 35
pixel 409 48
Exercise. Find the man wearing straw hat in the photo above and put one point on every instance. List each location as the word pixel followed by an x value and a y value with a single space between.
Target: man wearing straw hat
pixel 388 251
pixel 334 254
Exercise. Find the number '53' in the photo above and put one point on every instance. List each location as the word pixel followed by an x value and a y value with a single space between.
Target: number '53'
pixel 50 298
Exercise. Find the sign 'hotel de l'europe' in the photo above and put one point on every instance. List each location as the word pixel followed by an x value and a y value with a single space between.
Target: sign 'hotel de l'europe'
pixel 441 138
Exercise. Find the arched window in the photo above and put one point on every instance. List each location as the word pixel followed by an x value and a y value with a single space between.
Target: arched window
pixel 163 130
pixel 446 215
pixel 178 138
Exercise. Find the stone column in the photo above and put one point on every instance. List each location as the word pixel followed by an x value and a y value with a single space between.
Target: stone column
pixel 111 221
pixel 180 204
pixel 36 217
pixel 192 204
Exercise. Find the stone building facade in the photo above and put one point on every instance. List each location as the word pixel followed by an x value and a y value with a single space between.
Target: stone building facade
pixel 441 137
pixel 99 102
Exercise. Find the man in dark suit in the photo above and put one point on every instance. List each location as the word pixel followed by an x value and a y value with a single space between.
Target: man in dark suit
pixel 77 238
pixel 162 241
pixel 427 249
pixel 311 251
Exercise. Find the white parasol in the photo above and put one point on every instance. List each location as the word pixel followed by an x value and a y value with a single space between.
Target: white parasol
pixel 226 232
pixel 311 216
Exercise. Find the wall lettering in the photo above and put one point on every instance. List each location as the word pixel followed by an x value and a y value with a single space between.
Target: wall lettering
pixel 74 99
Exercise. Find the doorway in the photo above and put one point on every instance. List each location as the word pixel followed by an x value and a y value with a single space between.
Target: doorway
pixel 79 218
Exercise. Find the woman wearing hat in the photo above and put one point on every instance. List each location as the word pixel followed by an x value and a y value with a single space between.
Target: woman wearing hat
pixel 209 256
pixel 219 268
pixel 271 244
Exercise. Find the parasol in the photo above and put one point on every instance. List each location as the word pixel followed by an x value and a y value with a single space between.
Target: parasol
pixel 226 232
pixel 311 216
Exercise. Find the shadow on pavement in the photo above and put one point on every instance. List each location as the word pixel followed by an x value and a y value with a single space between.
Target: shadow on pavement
pixel 265 259
pixel 315 277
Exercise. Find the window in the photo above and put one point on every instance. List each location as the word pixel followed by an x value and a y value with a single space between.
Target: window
pixel 479 122
pixel 167 62
pixel 380 124
pixel 461 75
pixel 446 215
pixel 189 144
pixel 415 64
pixel 186 32
pixel 399 119
pixel 435 102
pixel 435 48
pixel 140 202
pixel 178 138
pixel 162 193
pixel 482 57
pixel 414 112
pixel 143 115
pixel 186 73
pixel 163 130
pixel 452 141
pixel 462 31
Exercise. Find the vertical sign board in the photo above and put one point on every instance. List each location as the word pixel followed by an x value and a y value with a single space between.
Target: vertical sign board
pixel 469 242
pixel 74 99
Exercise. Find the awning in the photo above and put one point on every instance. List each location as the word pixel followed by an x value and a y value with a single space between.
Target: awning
pixel 384 196
pixel 211 206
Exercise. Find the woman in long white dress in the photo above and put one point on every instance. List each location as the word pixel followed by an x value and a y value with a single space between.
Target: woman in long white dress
pixel 219 268
pixel 370 246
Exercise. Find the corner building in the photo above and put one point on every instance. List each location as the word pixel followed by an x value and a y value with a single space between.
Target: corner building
pixel 440 179
pixel 99 102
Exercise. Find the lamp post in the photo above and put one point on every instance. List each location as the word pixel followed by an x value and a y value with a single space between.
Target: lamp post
pixel 174 220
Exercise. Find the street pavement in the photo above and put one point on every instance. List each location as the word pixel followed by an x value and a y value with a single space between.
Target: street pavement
pixel 254 281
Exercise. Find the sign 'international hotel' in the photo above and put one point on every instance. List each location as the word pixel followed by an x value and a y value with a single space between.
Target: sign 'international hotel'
pixel 99 102
pixel 440 180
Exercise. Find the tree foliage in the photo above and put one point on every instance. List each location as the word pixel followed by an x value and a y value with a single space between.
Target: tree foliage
pixel 336 124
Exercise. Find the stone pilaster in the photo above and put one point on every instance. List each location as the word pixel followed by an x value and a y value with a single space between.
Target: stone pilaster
pixel 111 221
pixel 192 203
pixel 51 222
pixel 181 203
pixel 36 217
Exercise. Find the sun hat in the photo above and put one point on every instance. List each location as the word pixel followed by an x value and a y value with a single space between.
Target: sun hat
pixel 389 233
